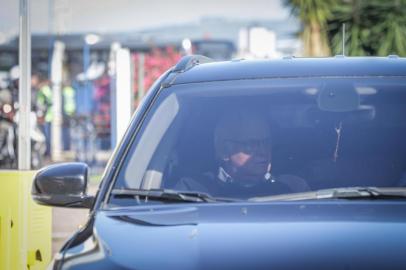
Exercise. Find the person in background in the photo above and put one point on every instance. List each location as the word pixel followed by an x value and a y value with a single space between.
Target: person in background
pixel 83 131
pixel 44 111
pixel 68 110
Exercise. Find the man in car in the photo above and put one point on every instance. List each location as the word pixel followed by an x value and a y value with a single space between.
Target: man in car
pixel 243 144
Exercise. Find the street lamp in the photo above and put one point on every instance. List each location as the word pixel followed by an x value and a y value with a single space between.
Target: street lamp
pixel 187 46
pixel 90 40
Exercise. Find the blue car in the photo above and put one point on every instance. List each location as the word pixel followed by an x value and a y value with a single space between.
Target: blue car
pixel 296 163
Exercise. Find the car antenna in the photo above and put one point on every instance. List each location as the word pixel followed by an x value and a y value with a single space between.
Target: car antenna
pixel 343 37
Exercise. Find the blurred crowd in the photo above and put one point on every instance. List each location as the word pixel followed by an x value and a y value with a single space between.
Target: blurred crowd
pixel 41 118
pixel 86 108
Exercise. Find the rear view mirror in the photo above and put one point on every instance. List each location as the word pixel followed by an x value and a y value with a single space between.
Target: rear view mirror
pixel 338 97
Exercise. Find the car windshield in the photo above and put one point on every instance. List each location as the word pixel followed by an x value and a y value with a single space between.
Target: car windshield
pixel 254 138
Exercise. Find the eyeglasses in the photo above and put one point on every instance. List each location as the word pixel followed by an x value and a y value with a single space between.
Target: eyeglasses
pixel 248 146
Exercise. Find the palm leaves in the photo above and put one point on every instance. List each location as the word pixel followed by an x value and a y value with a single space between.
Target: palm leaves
pixel 358 31
pixel 314 15
pixel 391 33
pixel 373 27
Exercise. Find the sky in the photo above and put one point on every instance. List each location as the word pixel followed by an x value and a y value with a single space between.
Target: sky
pixel 73 16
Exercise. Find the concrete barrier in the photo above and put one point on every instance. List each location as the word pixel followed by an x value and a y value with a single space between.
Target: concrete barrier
pixel 25 227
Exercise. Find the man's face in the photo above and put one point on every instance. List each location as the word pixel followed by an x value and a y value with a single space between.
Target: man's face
pixel 249 160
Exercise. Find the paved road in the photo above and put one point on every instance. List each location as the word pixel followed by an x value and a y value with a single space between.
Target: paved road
pixel 65 221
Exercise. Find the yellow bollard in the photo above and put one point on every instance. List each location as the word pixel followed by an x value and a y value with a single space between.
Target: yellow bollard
pixel 25 227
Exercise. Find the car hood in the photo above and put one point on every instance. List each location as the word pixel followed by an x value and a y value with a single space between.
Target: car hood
pixel 291 235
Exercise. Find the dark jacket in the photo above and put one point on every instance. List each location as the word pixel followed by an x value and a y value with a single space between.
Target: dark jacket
pixel 222 185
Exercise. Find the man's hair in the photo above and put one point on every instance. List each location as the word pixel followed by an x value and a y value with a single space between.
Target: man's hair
pixel 240 125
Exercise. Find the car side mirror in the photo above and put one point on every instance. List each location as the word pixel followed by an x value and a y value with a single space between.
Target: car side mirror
pixel 338 97
pixel 63 185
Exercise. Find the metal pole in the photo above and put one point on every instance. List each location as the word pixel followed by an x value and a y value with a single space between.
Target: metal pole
pixel 56 78
pixel 343 39
pixel 113 93
pixel 51 38
pixel 123 91
pixel 24 100
pixel 86 64
pixel 24 91
pixel 141 74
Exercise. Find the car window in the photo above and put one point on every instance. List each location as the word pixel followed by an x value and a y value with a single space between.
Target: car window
pixel 250 138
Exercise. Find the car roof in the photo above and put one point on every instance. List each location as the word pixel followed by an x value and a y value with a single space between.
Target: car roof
pixel 293 67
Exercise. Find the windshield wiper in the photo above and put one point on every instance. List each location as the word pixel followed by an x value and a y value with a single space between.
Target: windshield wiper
pixel 349 193
pixel 166 195
pixel 362 192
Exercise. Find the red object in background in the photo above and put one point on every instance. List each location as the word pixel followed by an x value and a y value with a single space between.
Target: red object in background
pixel 156 62
pixel 101 116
